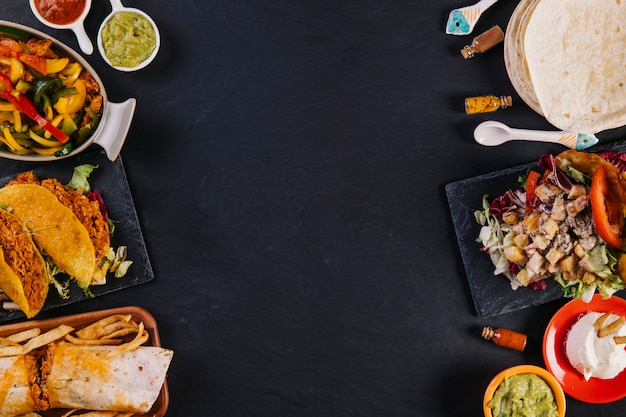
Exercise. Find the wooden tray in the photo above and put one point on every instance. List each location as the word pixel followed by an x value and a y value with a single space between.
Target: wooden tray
pixel 78 321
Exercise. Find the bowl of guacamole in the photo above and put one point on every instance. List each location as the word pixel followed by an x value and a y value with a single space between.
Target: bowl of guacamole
pixel 524 390
pixel 128 39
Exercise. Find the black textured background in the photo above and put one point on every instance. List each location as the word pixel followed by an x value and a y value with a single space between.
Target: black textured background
pixel 288 161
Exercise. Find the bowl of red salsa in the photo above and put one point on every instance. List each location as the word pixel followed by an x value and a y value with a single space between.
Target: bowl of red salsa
pixel 65 14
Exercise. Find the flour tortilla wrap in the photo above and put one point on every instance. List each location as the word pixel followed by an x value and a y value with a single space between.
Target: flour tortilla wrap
pixel 575 55
pixel 56 230
pixel 15 386
pixel 23 276
pixel 89 378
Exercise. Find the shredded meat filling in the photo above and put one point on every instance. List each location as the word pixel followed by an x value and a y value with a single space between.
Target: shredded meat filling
pixel 21 255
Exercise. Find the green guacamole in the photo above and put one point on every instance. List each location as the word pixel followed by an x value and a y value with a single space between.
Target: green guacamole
pixel 523 395
pixel 128 39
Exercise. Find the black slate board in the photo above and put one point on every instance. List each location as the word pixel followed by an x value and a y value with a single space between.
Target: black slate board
pixel 110 179
pixel 493 295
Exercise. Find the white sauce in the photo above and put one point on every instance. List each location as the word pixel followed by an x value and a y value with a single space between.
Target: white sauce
pixel 591 355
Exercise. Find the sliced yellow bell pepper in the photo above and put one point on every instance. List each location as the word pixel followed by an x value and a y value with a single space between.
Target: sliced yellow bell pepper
pixel 12 143
pixel 74 102
pixel 56 65
pixel 17 120
pixel 70 73
pixel 6 106
pixel 43 141
pixel 46 151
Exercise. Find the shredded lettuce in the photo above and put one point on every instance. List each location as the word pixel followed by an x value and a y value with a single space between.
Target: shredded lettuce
pixel 80 177
pixel 495 237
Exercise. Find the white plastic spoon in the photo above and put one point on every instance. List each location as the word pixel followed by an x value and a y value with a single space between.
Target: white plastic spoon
pixel 492 133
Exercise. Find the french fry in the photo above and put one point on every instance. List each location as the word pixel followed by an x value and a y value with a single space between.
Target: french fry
pixel 98 329
pixel 19 337
pixel 47 337
pixel 91 342
pixel 600 320
pixel 140 339
pixel 619 340
pixel 611 328
pixel 11 350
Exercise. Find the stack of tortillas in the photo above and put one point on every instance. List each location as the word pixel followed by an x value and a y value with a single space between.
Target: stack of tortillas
pixel 567 61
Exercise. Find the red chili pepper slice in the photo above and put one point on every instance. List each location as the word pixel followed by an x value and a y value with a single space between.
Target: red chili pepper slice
pixel 28 108
pixel 606 210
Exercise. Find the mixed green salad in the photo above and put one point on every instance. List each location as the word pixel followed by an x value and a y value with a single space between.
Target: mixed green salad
pixel 563 221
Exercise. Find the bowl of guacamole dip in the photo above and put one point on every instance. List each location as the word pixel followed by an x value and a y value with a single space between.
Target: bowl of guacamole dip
pixel 128 39
pixel 524 390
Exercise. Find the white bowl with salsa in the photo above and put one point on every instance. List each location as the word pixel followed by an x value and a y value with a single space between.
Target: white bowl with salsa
pixel 65 14
pixel 128 39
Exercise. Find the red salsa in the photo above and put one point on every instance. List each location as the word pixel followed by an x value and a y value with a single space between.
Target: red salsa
pixel 60 12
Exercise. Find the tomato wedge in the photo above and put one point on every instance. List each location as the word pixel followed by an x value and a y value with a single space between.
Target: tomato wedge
pixel 532 180
pixel 607 214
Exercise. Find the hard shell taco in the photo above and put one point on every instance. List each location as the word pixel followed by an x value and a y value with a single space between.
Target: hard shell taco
pixel 23 276
pixel 55 229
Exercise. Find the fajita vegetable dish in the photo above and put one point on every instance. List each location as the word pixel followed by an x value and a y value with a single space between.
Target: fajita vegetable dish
pixel 49 104
pixel 565 222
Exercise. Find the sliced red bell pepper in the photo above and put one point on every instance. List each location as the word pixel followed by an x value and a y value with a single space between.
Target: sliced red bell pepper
pixel 532 179
pixel 28 108
pixel 607 214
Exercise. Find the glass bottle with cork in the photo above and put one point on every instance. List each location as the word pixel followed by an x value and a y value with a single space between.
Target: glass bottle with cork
pixel 505 338
pixel 487 104
pixel 482 43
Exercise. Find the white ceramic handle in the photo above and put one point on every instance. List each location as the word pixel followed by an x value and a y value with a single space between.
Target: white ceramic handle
pixel 116 5
pixel 83 40
pixel 485 4
pixel 538 135
pixel 116 123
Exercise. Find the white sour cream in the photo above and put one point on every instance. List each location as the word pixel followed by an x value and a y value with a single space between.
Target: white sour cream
pixel 591 355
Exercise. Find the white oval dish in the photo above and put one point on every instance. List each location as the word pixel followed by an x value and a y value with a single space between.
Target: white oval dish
pixel 77 26
pixel 118 7
pixel 115 120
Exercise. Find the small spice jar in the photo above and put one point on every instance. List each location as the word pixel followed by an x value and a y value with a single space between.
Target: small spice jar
pixel 482 43
pixel 505 338
pixel 487 104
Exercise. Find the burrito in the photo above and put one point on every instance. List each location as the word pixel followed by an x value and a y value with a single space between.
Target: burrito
pixel 80 377
pixel 15 385
pixel 98 378
pixel 23 276
pixel 55 228
pixel 88 213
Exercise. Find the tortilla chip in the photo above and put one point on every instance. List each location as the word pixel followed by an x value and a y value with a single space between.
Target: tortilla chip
pixel 55 229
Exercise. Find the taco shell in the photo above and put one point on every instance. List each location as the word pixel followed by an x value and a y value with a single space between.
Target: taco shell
pixel 55 229
pixel 23 276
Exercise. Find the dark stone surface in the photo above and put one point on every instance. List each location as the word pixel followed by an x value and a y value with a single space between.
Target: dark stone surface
pixel 288 163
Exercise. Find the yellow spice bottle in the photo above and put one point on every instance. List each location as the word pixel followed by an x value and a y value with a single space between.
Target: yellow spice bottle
pixel 486 104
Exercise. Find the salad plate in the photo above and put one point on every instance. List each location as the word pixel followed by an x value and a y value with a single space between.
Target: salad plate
pixel 492 294
pixel 109 178
pixel 594 391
